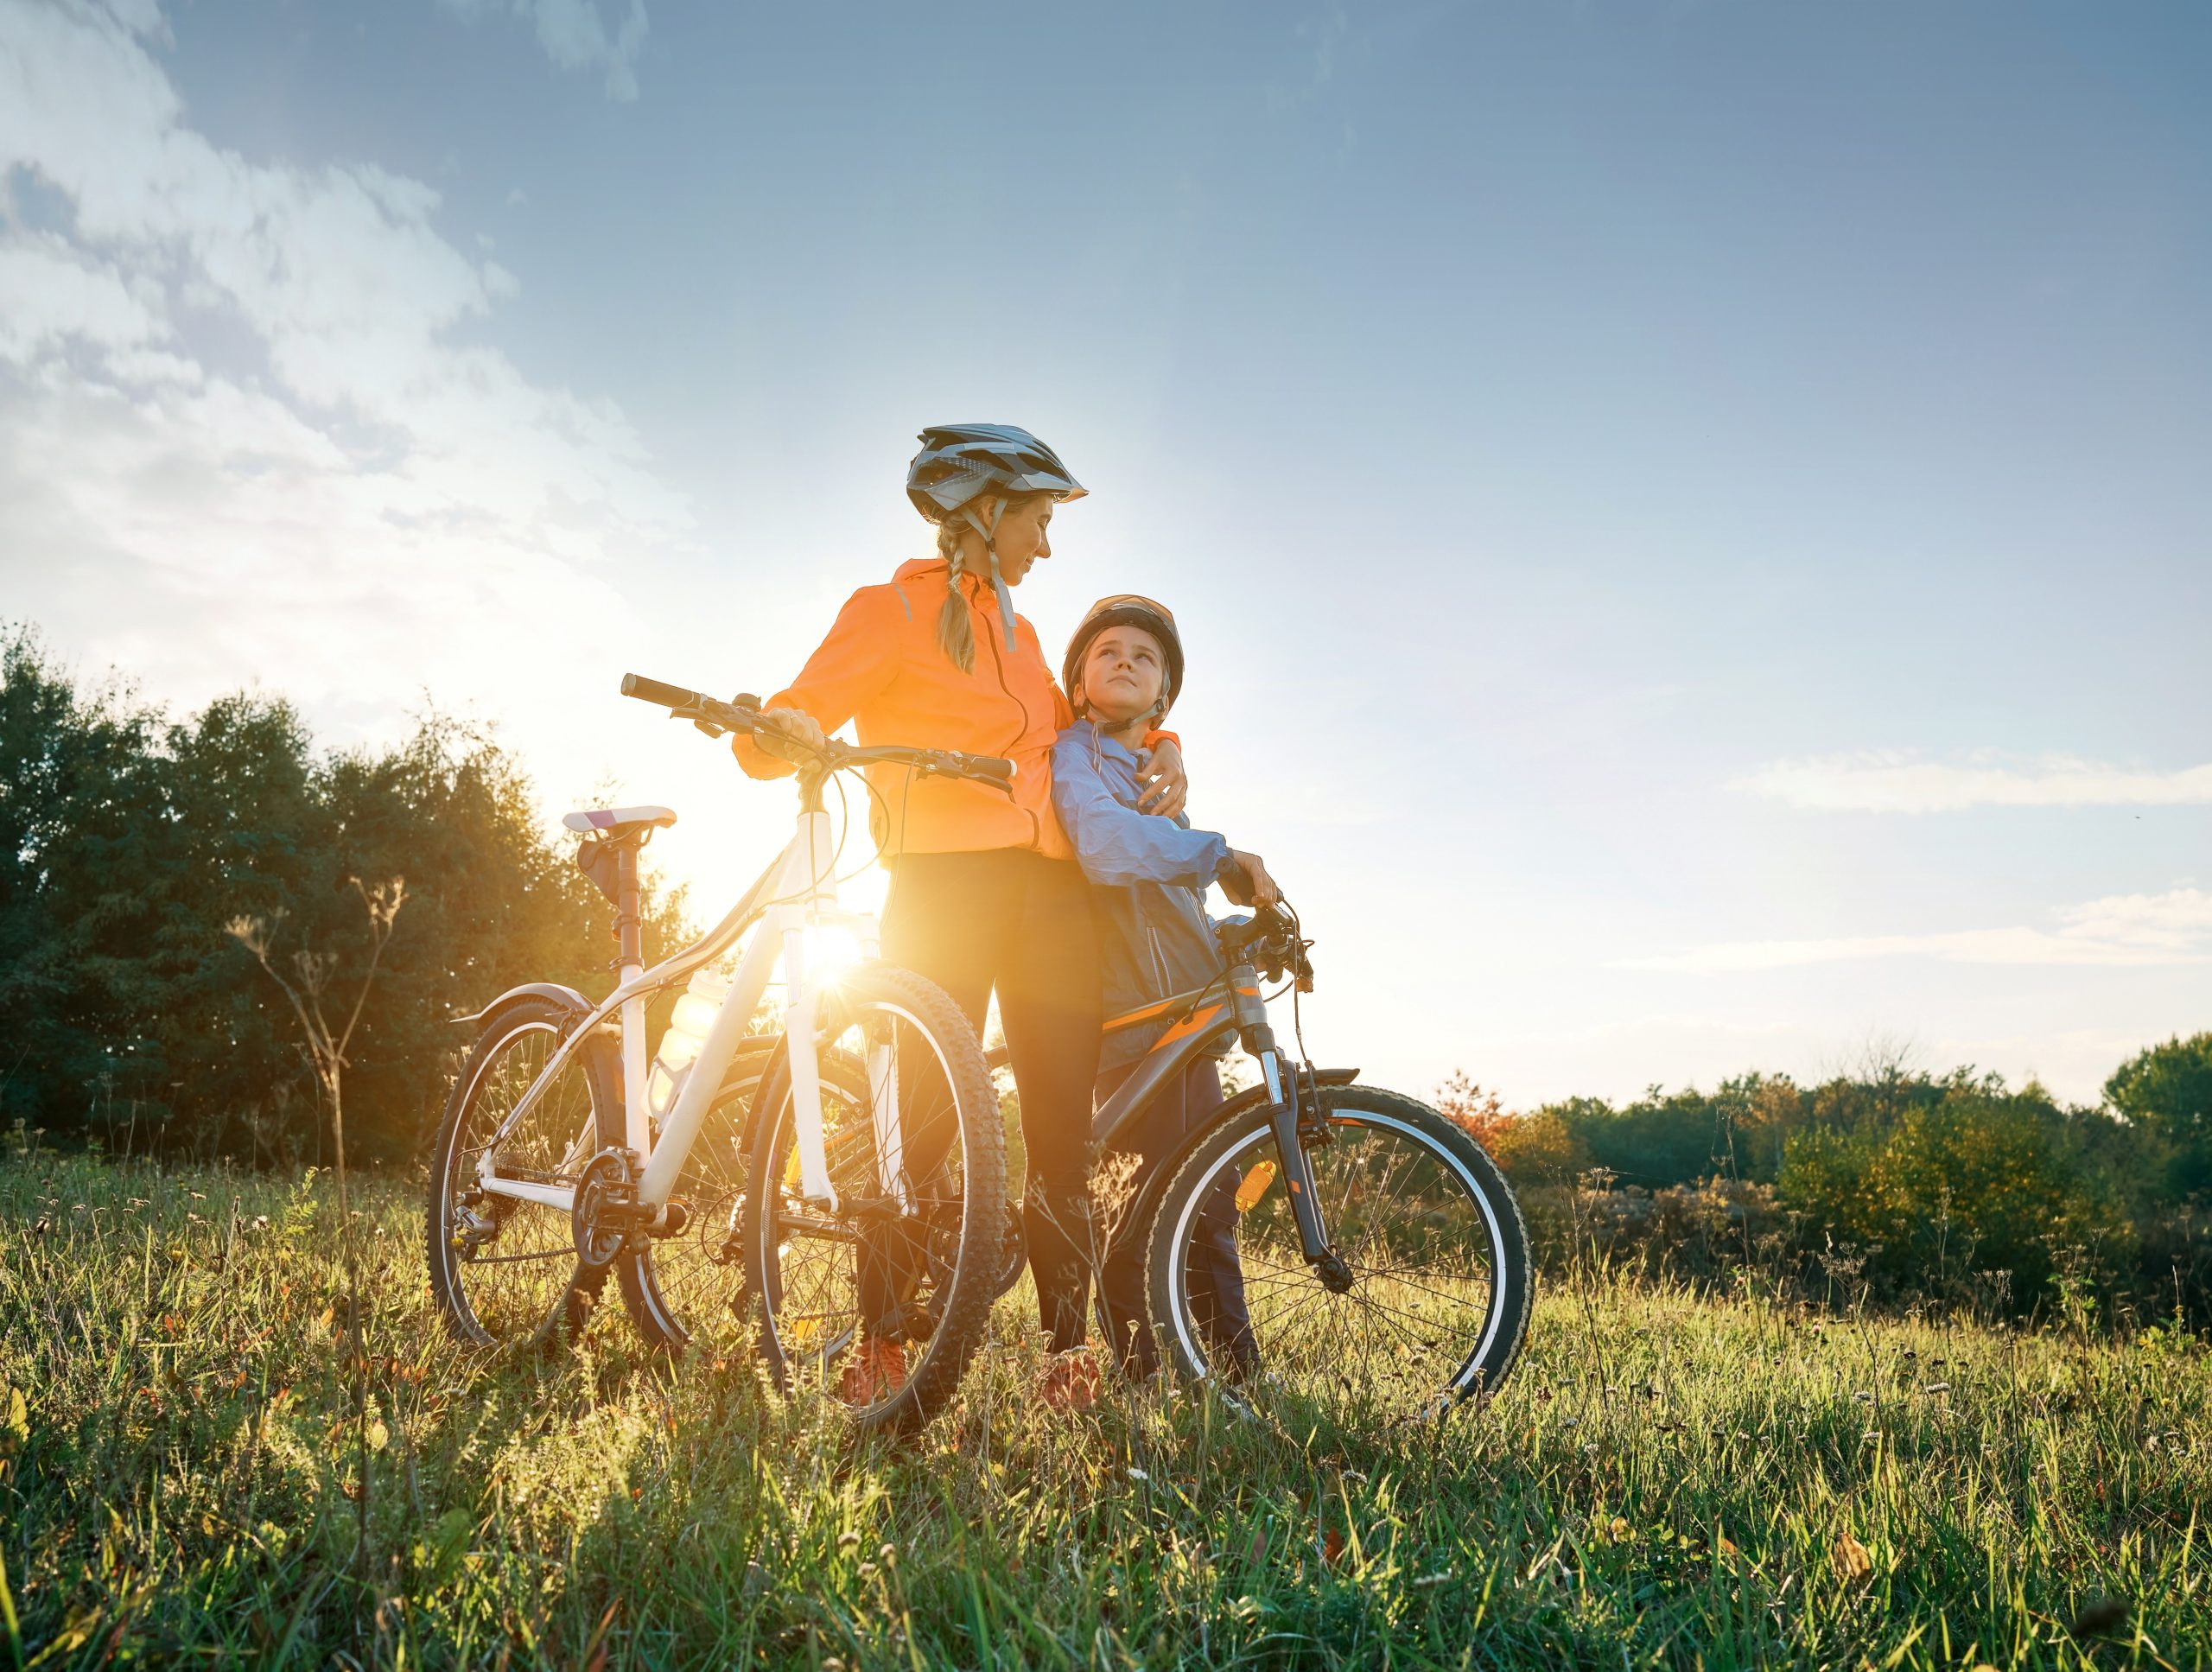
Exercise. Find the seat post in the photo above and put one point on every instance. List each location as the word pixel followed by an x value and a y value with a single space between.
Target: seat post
pixel 629 926
pixel 630 957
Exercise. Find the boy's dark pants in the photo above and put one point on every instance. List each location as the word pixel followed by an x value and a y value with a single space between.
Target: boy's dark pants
pixel 1217 1278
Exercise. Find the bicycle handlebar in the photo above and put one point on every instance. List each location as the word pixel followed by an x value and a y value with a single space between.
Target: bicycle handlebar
pixel 1271 940
pixel 651 691
pixel 713 715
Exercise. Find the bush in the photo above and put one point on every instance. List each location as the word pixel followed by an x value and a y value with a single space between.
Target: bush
pixel 1903 1187
pixel 1697 1232
pixel 1982 1178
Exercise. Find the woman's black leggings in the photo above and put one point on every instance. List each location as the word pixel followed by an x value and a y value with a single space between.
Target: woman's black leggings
pixel 1011 920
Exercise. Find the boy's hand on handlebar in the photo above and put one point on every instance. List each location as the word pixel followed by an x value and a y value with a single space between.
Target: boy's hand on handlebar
pixel 1255 886
pixel 1162 787
pixel 790 735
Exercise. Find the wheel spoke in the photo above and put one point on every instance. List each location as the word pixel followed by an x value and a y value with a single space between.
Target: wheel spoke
pixel 890 1265
pixel 1425 1264
pixel 503 1263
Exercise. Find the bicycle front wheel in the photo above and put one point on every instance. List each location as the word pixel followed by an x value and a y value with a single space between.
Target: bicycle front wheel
pixel 1437 1303
pixel 880 1297
pixel 694 1287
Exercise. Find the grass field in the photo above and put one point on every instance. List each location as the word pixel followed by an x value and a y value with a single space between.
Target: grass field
pixel 1666 1482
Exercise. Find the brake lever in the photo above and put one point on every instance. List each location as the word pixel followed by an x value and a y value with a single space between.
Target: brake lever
pixel 954 764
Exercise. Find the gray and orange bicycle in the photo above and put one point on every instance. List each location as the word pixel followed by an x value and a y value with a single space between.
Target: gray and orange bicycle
pixel 1384 1263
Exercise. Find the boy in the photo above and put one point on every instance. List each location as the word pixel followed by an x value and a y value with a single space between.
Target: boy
pixel 1123 672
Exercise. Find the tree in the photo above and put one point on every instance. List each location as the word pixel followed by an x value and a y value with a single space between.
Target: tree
pixel 2167 1091
pixel 1530 1149
pixel 130 839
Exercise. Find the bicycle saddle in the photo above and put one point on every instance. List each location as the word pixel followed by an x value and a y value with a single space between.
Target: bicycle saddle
pixel 617 821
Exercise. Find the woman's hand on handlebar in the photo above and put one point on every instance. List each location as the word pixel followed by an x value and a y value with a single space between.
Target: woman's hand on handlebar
pixel 1257 888
pixel 1162 787
pixel 792 734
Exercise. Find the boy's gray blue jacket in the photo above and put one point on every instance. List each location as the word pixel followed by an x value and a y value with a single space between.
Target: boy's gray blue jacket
pixel 1153 934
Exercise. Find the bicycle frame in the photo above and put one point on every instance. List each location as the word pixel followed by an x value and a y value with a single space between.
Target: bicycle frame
pixel 1204 1019
pixel 798 891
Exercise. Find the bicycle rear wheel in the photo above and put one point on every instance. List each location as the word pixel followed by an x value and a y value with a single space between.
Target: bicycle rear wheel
pixel 499 1265
pixel 881 1299
pixel 1438 1301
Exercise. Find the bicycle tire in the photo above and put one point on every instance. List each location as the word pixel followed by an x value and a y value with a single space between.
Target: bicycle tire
pixel 657 1294
pixel 1309 1339
pixel 499 1297
pixel 955 1233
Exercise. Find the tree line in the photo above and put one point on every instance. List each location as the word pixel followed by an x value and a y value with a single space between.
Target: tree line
pixel 130 841
pixel 133 1018
pixel 1896 1184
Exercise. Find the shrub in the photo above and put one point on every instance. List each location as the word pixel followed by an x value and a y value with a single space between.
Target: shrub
pixel 1981 1178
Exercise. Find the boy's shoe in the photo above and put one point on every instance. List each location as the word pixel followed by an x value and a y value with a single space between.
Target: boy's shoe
pixel 877 1368
pixel 1071 1381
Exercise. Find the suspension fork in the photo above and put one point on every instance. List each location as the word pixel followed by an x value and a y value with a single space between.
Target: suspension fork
pixel 1288 1092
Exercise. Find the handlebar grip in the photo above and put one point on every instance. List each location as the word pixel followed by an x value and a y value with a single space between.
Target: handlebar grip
pixel 992 765
pixel 651 691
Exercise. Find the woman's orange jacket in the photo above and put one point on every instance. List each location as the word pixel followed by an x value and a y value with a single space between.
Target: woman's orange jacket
pixel 882 668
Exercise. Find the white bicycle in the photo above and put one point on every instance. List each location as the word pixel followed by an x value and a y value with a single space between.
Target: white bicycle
pixel 853 1182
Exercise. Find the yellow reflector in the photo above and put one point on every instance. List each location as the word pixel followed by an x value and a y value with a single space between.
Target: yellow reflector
pixel 1254 1186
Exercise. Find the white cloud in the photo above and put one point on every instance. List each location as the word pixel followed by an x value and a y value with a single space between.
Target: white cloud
pixel 1898 781
pixel 575 36
pixel 243 424
pixel 2175 927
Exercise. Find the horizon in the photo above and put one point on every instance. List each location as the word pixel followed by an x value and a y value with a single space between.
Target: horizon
pixel 1692 526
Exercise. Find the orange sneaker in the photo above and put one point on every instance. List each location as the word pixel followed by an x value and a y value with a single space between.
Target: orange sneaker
pixel 1071 1381
pixel 877 1368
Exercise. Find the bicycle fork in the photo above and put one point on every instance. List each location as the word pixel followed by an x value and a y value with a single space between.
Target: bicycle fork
pixel 1289 1092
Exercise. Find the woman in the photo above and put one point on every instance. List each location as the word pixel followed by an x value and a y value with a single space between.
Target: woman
pixel 985 891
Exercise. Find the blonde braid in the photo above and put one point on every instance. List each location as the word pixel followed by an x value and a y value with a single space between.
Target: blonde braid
pixel 955 622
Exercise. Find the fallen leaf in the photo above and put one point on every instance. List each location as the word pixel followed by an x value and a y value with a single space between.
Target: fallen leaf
pixel 1853 1565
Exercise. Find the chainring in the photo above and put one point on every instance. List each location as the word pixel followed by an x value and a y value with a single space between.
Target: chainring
pixel 605 1208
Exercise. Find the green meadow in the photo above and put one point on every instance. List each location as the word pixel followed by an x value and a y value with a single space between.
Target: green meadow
pixel 1667 1481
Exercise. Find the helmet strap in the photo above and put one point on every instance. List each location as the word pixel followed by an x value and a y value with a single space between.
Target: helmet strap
pixel 991 549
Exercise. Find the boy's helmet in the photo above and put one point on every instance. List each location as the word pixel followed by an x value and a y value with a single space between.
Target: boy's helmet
pixel 960 460
pixel 1128 609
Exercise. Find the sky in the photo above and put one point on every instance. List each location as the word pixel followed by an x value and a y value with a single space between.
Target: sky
pixel 1692 521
